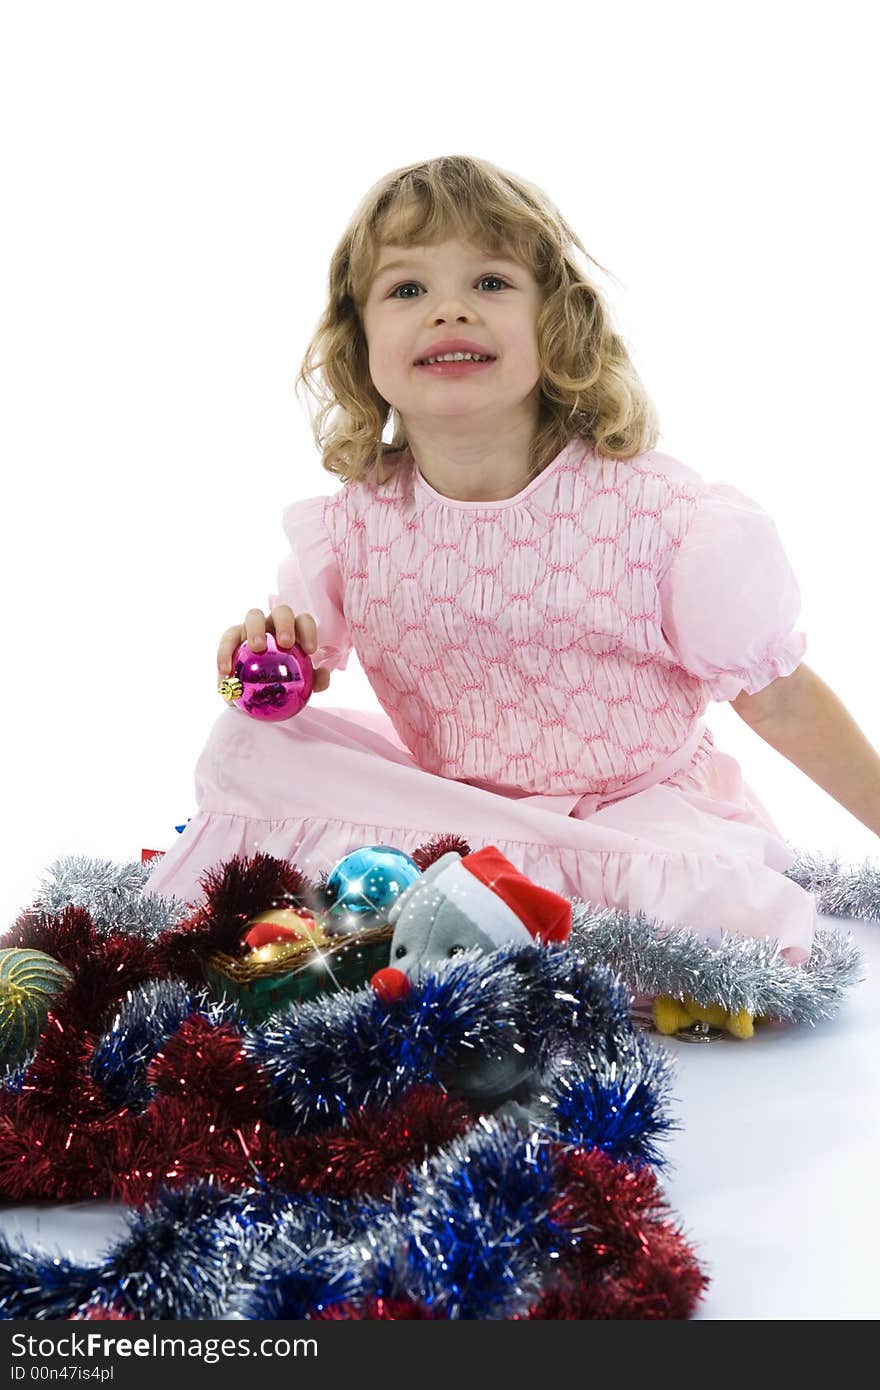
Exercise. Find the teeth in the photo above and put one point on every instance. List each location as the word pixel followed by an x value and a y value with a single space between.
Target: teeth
pixel 455 357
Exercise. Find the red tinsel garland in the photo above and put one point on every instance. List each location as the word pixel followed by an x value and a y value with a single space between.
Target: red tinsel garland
pixel 61 1137
pixel 378 1309
pixel 641 1267
pixel 178 1141
pixel 628 1263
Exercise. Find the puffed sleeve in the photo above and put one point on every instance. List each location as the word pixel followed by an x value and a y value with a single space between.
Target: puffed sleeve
pixel 729 599
pixel 310 581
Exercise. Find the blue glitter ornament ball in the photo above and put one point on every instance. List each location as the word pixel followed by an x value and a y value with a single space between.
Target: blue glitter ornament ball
pixel 364 885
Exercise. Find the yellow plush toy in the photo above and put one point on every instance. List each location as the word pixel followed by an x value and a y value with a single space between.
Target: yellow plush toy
pixel 671 1014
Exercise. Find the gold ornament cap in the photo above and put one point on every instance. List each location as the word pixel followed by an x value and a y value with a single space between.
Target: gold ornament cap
pixel 231 688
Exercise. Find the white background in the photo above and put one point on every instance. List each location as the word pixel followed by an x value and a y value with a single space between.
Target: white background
pixel 175 179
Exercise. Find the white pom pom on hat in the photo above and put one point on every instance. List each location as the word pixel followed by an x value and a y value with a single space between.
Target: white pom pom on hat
pixel 502 902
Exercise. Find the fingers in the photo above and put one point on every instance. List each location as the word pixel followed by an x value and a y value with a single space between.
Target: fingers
pixel 232 638
pixel 307 632
pixel 256 625
pixel 289 628
pixel 285 626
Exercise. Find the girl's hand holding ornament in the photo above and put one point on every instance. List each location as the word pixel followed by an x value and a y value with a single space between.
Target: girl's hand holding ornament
pixel 285 627
pixel 270 677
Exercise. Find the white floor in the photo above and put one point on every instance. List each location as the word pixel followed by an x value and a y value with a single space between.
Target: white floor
pixel 773 1176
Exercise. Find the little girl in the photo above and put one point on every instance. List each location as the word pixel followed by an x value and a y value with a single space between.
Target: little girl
pixel 542 602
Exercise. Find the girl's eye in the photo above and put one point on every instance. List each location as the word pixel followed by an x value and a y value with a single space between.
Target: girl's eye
pixel 407 284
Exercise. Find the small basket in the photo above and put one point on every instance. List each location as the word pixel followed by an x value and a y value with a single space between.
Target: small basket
pixel 263 987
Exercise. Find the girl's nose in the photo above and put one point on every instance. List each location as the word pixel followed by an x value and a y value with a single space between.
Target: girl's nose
pixel 390 984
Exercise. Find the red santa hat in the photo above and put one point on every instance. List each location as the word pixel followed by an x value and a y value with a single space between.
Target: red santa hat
pixel 502 902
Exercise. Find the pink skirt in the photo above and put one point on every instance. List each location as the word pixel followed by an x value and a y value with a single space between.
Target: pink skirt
pixel 696 849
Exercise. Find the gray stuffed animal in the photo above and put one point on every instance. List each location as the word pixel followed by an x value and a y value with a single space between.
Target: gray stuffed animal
pixel 460 903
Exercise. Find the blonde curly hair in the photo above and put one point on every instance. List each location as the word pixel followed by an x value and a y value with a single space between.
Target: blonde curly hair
pixel 588 385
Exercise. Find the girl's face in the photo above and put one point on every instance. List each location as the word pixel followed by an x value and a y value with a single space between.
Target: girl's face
pixel 422 295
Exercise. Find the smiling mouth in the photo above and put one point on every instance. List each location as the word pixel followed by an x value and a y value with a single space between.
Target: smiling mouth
pixel 455 368
pixel 423 361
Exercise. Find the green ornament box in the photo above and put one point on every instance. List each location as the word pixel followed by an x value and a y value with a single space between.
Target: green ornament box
pixel 261 988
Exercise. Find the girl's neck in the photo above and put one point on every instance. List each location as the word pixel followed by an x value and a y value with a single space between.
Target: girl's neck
pixel 489 471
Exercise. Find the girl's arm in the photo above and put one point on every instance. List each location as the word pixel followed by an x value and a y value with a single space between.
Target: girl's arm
pixel 803 719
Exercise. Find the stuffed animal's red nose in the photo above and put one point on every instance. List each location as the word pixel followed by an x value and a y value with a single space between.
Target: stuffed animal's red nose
pixel 390 984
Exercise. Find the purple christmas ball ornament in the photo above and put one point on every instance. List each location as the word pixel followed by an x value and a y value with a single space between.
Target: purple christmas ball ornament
pixel 274 684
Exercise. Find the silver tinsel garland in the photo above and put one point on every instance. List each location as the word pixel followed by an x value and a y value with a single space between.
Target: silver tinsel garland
pixel 852 891
pixel 741 972
pixel 473 1231
pixel 109 892
pixel 650 956
pixel 466 1234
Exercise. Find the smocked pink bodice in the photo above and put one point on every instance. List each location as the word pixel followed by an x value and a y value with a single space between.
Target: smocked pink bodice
pixel 562 640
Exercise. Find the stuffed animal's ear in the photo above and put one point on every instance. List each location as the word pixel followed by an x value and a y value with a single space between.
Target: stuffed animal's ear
pixel 432 871
pixel 439 865
pixel 392 916
pixel 400 903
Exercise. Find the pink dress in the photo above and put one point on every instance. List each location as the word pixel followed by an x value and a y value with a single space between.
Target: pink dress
pixel 542 665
